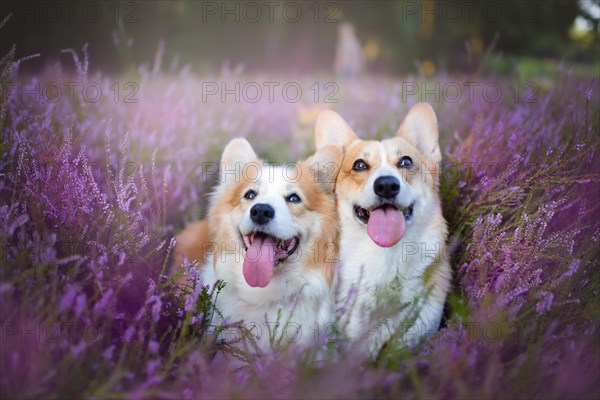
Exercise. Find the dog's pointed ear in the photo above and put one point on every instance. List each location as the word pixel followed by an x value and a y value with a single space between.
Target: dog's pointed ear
pixel 420 128
pixel 236 155
pixel 332 129
pixel 325 165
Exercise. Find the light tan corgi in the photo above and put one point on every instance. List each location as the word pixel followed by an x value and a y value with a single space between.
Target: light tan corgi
pixel 394 274
pixel 272 236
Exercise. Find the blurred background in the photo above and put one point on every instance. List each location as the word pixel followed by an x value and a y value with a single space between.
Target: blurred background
pixel 395 37
pixel 95 183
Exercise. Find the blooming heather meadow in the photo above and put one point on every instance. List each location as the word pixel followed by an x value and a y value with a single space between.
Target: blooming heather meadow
pixel 94 192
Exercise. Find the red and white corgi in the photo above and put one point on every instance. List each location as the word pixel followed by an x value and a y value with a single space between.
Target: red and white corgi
pixel 394 274
pixel 273 239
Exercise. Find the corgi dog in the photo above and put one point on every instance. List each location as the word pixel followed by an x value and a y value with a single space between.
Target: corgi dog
pixel 271 236
pixel 394 274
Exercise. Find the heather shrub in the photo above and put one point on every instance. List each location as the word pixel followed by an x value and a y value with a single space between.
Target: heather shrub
pixel 93 193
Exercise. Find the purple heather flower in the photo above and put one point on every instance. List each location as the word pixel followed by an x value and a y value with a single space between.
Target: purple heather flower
pixel 78 348
pixel 524 214
pixel 108 353
pixel 129 333
pixel 156 307
pixel 545 301
pixel 153 346
pixel 6 287
pixel 80 304
pixel 573 267
pixel 68 297
pixel 152 365
pixel 101 305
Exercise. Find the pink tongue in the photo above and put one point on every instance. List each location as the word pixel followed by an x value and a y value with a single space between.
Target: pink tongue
pixel 386 226
pixel 260 261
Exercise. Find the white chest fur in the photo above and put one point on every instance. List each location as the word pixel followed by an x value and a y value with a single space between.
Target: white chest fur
pixel 294 308
pixel 381 291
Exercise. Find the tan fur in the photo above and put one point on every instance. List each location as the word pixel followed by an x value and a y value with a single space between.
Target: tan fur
pixel 299 289
pixel 350 181
pixel 368 150
pixel 214 234
pixel 220 231
pixel 417 138
pixel 325 254
pixel 191 242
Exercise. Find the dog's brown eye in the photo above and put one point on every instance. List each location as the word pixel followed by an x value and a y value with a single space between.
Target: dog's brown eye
pixel 250 195
pixel 293 198
pixel 405 162
pixel 360 165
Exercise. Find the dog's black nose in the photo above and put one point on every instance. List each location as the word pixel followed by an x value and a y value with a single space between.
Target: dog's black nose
pixel 262 213
pixel 386 187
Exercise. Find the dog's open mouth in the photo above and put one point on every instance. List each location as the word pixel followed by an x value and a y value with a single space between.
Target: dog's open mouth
pixel 263 253
pixel 284 248
pixel 386 223
pixel 363 214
